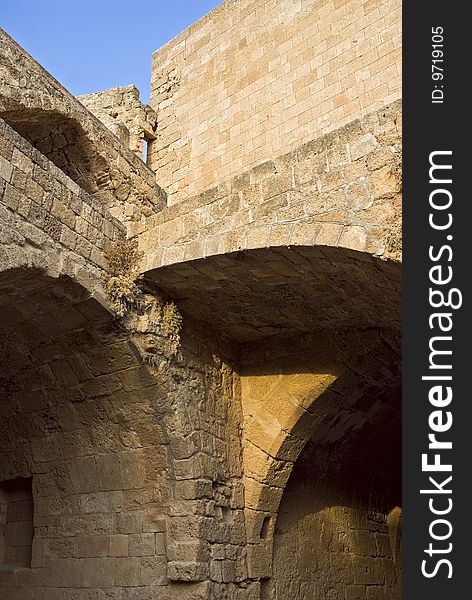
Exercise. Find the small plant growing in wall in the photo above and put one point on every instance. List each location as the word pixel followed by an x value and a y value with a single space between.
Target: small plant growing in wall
pixel 122 258
pixel 171 326
pixel 157 321
pixel 160 324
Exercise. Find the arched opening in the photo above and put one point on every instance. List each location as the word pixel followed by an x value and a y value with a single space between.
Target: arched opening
pixel 319 358
pixel 338 529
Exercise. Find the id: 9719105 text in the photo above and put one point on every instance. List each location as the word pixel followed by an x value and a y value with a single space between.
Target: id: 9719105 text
pixel 437 65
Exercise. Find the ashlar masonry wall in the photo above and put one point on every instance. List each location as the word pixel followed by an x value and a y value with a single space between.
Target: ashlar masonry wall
pixel 340 189
pixel 254 79
pixel 134 484
pixel 134 468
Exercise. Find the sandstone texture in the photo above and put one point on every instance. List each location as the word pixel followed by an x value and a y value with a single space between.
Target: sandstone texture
pixel 200 352
pixel 123 113
pixel 66 133
pixel 253 80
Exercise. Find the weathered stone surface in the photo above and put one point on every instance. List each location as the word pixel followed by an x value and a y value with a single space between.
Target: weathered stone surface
pixel 125 115
pixel 229 98
pixel 63 130
pixel 242 445
pixel 353 204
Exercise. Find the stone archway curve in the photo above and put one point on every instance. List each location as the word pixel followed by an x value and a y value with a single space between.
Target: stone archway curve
pixel 329 394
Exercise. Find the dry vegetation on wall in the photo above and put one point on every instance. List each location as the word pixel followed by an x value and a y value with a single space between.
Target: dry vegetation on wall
pixel 159 321
pixel 122 259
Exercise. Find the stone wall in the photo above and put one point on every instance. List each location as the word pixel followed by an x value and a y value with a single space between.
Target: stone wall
pixel 342 189
pixel 106 441
pixel 78 417
pixel 206 527
pixel 46 220
pixel 121 110
pixel 255 79
pixel 332 537
pixel 137 469
pixel 61 127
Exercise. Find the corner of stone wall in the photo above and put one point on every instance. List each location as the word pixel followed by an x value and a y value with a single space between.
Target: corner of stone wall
pixel 122 111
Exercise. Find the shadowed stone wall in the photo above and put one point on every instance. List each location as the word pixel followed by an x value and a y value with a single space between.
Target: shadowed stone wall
pixel 315 391
pixel 78 418
pixel 134 482
pixel 332 536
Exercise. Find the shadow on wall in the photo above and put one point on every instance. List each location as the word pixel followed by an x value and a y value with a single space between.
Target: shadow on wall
pixel 63 142
pixel 338 532
pixel 322 462
pixel 82 448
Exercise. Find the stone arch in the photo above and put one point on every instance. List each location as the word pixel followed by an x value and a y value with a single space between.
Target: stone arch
pixel 80 418
pixel 321 388
pixel 316 327
pixel 270 291
pixel 336 530
pixel 125 462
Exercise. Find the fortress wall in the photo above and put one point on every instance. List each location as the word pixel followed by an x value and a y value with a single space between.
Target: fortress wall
pixel 134 471
pixel 77 419
pixel 121 110
pixel 279 125
pixel 342 189
pixel 57 124
pixel 46 219
pixel 85 425
pixel 255 79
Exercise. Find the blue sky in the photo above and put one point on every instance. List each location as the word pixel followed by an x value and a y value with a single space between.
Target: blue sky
pixel 92 45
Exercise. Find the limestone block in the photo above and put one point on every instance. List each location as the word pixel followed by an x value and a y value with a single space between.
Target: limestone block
pixel 92 546
pixel 187 551
pixel 385 182
pixel 362 146
pixel 153 521
pixel 259 560
pixel 98 572
pixel 354 238
pixel 129 522
pixel 119 545
pixel 368 571
pixel 132 470
pixel 109 472
pixel 63 572
pixel 141 544
pixel 154 571
pixel 128 571
pixel 160 544
pixel 187 571
pixel 6 169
